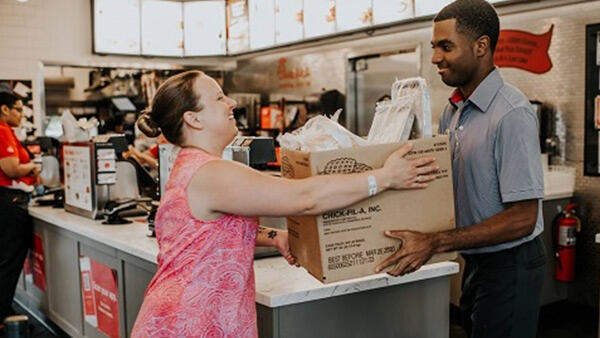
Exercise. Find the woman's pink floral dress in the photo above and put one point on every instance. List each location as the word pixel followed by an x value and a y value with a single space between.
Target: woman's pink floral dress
pixel 204 285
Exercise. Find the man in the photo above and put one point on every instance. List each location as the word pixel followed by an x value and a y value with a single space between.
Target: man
pixel 498 181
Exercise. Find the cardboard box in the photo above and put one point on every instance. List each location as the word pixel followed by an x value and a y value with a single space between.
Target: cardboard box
pixel 350 242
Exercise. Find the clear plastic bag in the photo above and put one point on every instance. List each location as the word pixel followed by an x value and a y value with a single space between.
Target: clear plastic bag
pixel 415 88
pixel 406 116
pixel 392 122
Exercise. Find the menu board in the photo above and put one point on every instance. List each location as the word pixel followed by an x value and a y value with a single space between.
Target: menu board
pixel 319 17
pixel 78 177
pixel 117 26
pixel 353 14
pixel 385 11
pixel 204 28
pixel 289 21
pixel 162 31
pixel 262 23
pixel 237 26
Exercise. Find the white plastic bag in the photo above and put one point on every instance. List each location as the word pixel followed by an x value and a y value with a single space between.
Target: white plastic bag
pixel 77 130
pixel 319 134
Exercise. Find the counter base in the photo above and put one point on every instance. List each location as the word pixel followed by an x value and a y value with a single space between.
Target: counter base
pixel 418 309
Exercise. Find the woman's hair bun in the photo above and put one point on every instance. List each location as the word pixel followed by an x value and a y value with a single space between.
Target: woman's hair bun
pixel 147 125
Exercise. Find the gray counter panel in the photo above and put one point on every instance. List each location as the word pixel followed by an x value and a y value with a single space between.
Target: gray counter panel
pixel 64 302
pixel 137 274
pixel 404 310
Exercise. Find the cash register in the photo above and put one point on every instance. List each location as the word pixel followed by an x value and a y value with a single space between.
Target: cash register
pixel 254 151
pixel 91 172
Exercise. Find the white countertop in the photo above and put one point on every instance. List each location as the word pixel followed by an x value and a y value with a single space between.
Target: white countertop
pixel 130 238
pixel 277 283
pixel 559 182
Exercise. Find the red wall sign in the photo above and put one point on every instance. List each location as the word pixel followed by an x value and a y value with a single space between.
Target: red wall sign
pixel 100 296
pixel 524 50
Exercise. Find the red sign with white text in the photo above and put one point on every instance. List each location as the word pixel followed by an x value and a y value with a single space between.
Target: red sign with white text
pixel 27 269
pixel 524 50
pixel 38 263
pixel 100 296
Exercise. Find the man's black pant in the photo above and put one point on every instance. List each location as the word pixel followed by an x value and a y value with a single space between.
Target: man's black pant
pixel 16 232
pixel 501 291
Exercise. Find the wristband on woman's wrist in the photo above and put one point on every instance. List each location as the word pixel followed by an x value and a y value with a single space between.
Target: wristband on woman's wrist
pixel 372 185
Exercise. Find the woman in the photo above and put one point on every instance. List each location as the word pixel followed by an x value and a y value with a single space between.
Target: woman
pixel 17 177
pixel 204 285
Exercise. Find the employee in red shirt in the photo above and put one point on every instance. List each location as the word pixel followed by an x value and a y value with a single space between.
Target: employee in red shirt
pixel 148 157
pixel 18 175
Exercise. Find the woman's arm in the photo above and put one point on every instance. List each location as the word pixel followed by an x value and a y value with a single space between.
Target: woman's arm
pixel 10 167
pixel 142 157
pixel 230 187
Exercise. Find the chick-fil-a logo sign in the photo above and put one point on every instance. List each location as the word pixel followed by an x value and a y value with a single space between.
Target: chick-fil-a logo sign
pixel 524 50
pixel 292 77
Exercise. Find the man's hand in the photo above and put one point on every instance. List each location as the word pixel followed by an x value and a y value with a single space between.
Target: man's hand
pixel 416 248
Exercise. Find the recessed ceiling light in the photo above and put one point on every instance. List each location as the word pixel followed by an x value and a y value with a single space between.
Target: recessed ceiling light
pixel 22 0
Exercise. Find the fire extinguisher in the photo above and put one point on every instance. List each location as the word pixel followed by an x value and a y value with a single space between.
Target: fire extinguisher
pixel 565 227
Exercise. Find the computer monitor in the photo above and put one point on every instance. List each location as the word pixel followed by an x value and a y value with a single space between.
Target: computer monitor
pixel 123 103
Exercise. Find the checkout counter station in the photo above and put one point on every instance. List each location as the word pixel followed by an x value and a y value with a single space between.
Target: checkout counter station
pixel 89 278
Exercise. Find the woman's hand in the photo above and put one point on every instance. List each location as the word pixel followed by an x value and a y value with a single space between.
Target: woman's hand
pixel 36 169
pixel 275 238
pixel 409 174
pixel 283 245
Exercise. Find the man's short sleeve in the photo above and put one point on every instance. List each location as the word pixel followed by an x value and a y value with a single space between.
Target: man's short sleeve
pixel 517 156
pixel 8 148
